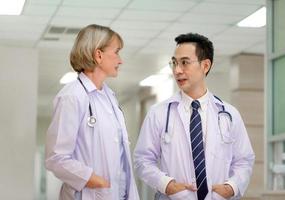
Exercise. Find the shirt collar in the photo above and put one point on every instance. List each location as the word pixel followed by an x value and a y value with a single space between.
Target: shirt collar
pixel 187 100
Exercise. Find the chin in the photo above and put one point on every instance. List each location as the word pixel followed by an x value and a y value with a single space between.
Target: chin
pixel 114 75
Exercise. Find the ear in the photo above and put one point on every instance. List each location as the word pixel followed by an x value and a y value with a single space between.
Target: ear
pixel 206 65
pixel 97 56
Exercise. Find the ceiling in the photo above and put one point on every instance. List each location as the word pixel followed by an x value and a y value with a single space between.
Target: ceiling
pixel 148 28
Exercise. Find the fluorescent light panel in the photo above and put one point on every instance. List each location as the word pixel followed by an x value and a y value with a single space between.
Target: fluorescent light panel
pixel 11 7
pixel 68 77
pixel 255 20
pixel 153 80
pixel 166 70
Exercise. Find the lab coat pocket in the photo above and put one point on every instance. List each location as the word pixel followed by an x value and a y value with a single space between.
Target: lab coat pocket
pixel 224 147
pixel 222 159
pixel 103 194
pixel 67 192
pixel 216 196
pixel 182 195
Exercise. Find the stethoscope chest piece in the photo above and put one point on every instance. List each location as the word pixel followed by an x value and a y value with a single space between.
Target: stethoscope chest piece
pixel 91 121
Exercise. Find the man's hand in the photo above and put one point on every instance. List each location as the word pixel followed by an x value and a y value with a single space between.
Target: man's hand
pixel 174 187
pixel 224 190
pixel 97 182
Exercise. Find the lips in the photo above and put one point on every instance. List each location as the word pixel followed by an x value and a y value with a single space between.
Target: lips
pixel 181 81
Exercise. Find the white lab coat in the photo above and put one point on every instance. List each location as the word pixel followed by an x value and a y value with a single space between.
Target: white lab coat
pixel 74 150
pixel 224 162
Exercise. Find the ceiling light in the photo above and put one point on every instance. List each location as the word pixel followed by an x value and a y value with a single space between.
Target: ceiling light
pixel 11 7
pixel 255 20
pixel 166 70
pixel 68 77
pixel 154 80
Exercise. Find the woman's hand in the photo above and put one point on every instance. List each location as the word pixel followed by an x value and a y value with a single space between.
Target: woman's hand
pixel 174 187
pixel 97 182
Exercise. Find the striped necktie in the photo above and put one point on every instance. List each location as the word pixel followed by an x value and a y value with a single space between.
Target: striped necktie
pixel 198 154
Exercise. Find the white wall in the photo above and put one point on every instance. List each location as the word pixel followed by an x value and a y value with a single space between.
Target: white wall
pixel 18 87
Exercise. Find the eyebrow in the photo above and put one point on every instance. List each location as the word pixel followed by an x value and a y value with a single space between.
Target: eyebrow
pixel 182 58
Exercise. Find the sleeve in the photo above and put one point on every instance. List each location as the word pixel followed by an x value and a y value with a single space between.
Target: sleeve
pixel 243 158
pixel 147 154
pixel 61 140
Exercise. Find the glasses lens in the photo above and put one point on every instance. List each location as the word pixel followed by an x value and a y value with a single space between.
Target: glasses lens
pixel 172 64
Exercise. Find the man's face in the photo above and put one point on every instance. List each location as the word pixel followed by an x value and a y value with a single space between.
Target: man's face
pixel 188 71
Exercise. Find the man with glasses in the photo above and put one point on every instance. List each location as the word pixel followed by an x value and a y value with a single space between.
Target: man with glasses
pixel 194 145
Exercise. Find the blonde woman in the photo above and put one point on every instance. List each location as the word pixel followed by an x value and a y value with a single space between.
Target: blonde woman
pixel 87 142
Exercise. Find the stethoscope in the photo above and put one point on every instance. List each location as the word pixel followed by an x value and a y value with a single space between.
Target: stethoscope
pixel 221 114
pixel 91 120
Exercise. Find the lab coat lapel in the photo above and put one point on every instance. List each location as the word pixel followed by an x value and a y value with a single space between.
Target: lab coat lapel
pixel 183 117
pixel 181 112
pixel 211 139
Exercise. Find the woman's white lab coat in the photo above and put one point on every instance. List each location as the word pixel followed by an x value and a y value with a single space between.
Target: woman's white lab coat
pixel 228 159
pixel 74 150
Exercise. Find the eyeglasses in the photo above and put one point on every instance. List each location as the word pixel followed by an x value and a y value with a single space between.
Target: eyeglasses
pixel 184 64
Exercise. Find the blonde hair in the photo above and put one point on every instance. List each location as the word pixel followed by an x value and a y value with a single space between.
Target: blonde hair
pixel 89 39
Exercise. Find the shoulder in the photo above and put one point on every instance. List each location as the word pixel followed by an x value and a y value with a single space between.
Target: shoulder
pixel 72 93
pixel 159 110
pixel 227 106
pixel 160 106
pixel 230 108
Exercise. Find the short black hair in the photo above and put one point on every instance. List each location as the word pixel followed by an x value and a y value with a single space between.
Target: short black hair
pixel 204 47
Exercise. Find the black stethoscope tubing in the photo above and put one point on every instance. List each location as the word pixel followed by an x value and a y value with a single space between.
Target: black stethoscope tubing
pixel 90 109
pixel 91 120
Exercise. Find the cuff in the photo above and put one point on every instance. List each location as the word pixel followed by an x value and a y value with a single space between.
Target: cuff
pixel 82 183
pixel 234 186
pixel 163 183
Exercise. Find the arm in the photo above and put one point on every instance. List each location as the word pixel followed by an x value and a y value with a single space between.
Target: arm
pixel 243 158
pixel 147 154
pixel 61 140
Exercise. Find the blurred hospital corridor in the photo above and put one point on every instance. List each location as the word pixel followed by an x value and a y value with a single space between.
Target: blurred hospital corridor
pixel 248 72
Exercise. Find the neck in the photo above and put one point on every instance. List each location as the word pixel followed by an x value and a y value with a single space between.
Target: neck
pixel 197 92
pixel 96 77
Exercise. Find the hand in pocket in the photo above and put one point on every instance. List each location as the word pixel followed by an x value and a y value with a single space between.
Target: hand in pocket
pixel 97 182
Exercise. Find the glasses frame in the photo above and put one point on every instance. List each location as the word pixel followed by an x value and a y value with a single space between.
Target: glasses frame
pixel 183 63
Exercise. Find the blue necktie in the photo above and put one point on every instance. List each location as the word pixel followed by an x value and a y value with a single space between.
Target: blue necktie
pixel 198 153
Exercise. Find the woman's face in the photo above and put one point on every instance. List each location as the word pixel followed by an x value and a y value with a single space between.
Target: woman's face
pixel 110 58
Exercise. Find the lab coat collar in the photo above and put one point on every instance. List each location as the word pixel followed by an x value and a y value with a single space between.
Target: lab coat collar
pixel 217 101
pixel 177 98
pixel 90 86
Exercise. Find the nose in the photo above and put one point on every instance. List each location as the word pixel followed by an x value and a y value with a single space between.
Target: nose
pixel 120 60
